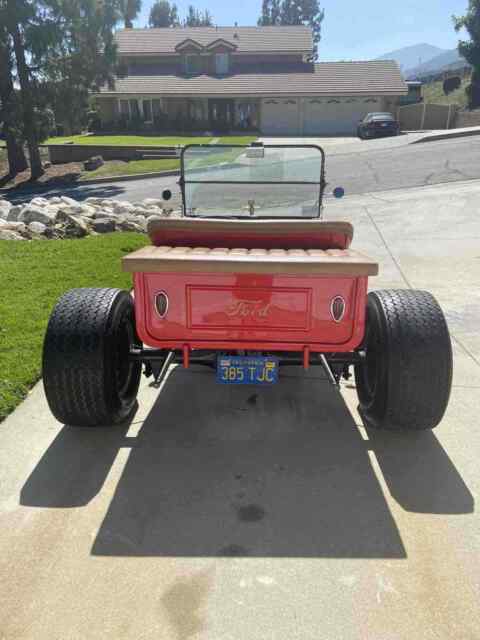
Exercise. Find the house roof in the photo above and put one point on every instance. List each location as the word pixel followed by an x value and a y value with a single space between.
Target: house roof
pixel 144 42
pixel 377 77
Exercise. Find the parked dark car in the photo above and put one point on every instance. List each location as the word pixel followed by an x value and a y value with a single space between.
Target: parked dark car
pixel 378 124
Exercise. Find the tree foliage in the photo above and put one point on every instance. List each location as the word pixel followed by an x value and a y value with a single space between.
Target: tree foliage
pixel 470 49
pixel 451 84
pixel 196 18
pixel 129 10
pixel 61 50
pixel 164 14
pixel 294 12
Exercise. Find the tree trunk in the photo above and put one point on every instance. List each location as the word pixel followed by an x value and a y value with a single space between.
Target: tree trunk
pixel 16 156
pixel 28 106
pixel 17 161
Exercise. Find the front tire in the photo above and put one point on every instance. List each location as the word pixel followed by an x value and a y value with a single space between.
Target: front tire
pixel 405 380
pixel 88 378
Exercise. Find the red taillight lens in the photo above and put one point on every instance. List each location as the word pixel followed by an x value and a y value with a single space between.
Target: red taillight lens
pixel 337 308
pixel 161 304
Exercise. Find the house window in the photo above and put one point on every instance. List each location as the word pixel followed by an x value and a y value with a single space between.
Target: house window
pixel 221 63
pixel 124 108
pixel 157 108
pixel 193 64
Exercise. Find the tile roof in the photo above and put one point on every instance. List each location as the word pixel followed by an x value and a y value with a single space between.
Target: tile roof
pixel 378 77
pixel 246 39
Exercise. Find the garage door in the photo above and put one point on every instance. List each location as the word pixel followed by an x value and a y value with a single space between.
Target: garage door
pixel 280 117
pixel 331 116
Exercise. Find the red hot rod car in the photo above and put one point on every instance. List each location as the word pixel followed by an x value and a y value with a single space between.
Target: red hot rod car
pixel 249 279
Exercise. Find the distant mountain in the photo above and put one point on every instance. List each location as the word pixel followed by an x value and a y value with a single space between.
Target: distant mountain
pixel 448 59
pixel 413 56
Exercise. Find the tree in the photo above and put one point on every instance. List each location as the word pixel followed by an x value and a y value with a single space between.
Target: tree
pixel 470 49
pixel 294 12
pixel 270 13
pixel 9 109
pixel 60 47
pixel 196 18
pixel 164 14
pixel 129 10
pixel 83 58
pixel 17 15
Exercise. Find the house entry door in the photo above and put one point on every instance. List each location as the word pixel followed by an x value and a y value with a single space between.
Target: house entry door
pixel 221 113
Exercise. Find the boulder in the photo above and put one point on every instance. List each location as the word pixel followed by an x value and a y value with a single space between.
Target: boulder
pixel 153 202
pixel 7 234
pixel 75 227
pixel 129 225
pixel 93 163
pixel 37 227
pixel 103 225
pixel 39 202
pixel 5 207
pixel 32 213
pixel 56 200
pixel 14 213
pixel 123 207
pixel 68 200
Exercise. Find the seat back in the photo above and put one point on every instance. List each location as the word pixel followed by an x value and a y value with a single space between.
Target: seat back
pixel 250 234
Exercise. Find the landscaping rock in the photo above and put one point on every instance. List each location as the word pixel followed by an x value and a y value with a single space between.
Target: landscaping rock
pixel 93 163
pixel 14 213
pixel 33 213
pixel 155 202
pixel 104 225
pixel 5 207
pixel 6 234
pixel 68 200
pixel 37 227
pixel 75 227
pixel 39 202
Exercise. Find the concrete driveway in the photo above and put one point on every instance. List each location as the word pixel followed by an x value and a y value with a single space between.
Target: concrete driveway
pixel 254 514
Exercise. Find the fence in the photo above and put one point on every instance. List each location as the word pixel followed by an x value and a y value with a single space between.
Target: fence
pixel 417 117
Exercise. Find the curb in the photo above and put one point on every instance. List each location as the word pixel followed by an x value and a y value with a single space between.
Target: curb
pixel 140 176
pixel 446 136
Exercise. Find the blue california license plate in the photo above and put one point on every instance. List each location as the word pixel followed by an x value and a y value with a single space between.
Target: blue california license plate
pixel 247 370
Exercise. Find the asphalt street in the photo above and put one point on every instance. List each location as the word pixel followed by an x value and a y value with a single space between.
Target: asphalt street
pixel 372 166
pixel 262 514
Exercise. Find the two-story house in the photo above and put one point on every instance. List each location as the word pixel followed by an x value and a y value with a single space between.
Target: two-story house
pixel 243 78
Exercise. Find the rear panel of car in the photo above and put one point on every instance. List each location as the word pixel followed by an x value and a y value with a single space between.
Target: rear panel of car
pixel 250 311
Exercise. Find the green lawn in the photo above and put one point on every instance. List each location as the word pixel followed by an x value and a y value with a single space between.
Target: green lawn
pixel 433 94
pixel 140 141
pixel 134 141
pixel 134 167
pixel 37 273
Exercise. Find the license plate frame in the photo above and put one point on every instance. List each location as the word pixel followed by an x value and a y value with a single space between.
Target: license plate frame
pixel 253 370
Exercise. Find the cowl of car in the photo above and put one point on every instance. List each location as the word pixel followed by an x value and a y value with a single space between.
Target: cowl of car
pixel 375 125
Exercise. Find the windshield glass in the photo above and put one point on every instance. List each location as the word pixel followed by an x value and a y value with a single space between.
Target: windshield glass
pixel 261 182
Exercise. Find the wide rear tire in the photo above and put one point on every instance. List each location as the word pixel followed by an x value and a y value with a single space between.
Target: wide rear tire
pixel 88 378
pixel 405 380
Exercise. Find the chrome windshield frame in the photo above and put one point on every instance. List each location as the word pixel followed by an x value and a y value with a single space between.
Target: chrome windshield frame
pixel 321 183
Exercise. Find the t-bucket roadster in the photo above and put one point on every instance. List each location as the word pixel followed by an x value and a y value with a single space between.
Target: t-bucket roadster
pixel 247 280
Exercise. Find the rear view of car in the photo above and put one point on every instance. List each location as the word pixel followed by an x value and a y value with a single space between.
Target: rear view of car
pixel 375 125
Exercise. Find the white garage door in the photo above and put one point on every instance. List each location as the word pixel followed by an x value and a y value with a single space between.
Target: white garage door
pixel 336 116
pixel 280 117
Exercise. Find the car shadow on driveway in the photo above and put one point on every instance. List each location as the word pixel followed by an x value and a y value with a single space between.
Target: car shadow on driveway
pixel 247 471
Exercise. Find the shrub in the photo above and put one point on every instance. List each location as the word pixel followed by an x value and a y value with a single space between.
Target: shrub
pixel 451 84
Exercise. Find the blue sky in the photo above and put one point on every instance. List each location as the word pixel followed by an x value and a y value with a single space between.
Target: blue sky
pixel 353 30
